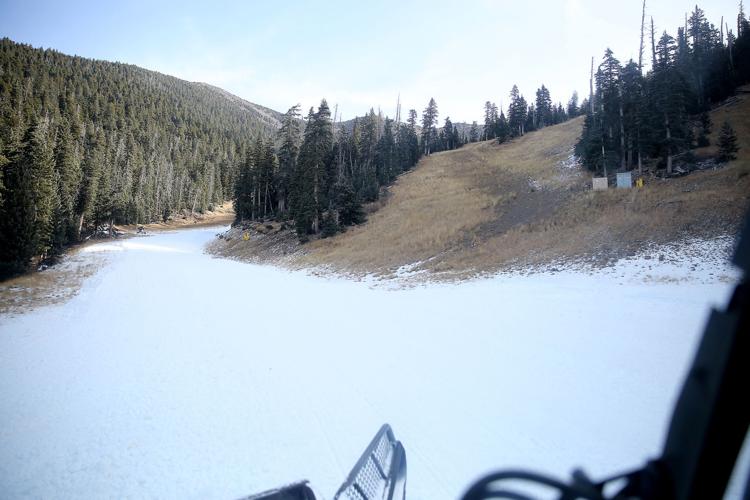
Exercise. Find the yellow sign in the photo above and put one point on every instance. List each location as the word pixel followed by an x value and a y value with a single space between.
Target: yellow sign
pixel 246 236
pixel 639 182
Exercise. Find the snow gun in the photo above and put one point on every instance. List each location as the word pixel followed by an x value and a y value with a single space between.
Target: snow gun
pixel 708 426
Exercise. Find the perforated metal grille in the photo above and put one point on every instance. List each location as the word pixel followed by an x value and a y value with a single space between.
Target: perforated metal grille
pixel 371 480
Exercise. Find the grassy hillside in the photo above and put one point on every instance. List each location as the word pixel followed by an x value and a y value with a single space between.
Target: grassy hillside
pixel 487 207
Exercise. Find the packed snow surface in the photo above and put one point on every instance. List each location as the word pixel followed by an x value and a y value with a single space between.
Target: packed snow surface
pixel 174 374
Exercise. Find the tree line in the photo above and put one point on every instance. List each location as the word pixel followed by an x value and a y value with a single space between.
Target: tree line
pixel 321 173
pixel 522 117
pixel 85 143
pixel 636 117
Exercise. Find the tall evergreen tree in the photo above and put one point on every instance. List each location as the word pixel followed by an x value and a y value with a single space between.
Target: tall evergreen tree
pixel 289 137
pixel 316 153
pixel 29 200
pixel 68 176
pixel 543 107
pixel 474 132
pixel 449 141
pixel 517 113
pixel 490 119
pixel 244 189
pixel 429 127
pixel 727 143
pixel 572 109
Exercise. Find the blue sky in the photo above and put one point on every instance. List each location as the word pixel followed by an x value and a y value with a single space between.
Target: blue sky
pixel 356 54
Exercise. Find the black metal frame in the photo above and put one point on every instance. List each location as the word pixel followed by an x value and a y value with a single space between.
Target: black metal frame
pixel 390 471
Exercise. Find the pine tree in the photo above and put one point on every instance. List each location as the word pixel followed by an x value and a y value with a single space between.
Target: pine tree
pixel 414 150
pixel 29 199
pixel 266 180
pixel 474 132
pixel 303 207
pixel 367 148
pixel 385 155
pixel 429 127
pixel 517 113
pixel 727 143
pixel 329 227
pixel 289 135
pixel 572 109
pixel 16 219
pixel 669 107
pixel 543 107
pixel 490 117
pixel 68 175
pixel 704 122
pixel 448 138
pixel 310 180
pixel 243 189
pixel 41 162
pixel 633 104
pixel 700 33
pixel 349 205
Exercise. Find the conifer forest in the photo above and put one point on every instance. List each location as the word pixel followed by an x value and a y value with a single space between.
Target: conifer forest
pixel 87 144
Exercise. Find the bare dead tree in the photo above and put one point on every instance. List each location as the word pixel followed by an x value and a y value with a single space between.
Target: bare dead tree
pixel 640 50
pixel 591 87
pixel 398 111
pixel 622 131
pixel 653 44
pixel 333 122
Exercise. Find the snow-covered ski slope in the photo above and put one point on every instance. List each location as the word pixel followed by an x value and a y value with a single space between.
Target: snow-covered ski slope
pixel 174 374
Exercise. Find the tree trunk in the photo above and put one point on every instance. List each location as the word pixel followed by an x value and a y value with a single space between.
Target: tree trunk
pixel 622 133
pixel 669 144
pixel 653 44
pixel 80 228
pixel 640 164
pixel 630 154
pixel 195 201
pixel 640 50
pixel 729 46
pixel 265 202
pixel 280 201
pixel 253 201
pixel 591 88
pixel 315 223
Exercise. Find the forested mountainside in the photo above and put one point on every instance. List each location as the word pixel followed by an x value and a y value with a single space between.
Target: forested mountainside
pixel 85 142
pixel 320 179
pixel 521 198
pixel 655 118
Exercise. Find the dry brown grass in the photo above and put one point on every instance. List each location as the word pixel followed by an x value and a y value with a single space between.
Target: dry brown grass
pixel 52 286
pixel 438 208
pixel 487 207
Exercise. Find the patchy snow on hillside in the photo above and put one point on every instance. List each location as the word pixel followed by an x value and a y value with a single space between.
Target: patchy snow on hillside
pixel 174 374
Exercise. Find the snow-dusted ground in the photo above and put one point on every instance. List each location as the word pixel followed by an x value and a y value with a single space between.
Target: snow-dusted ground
pixel 173 374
